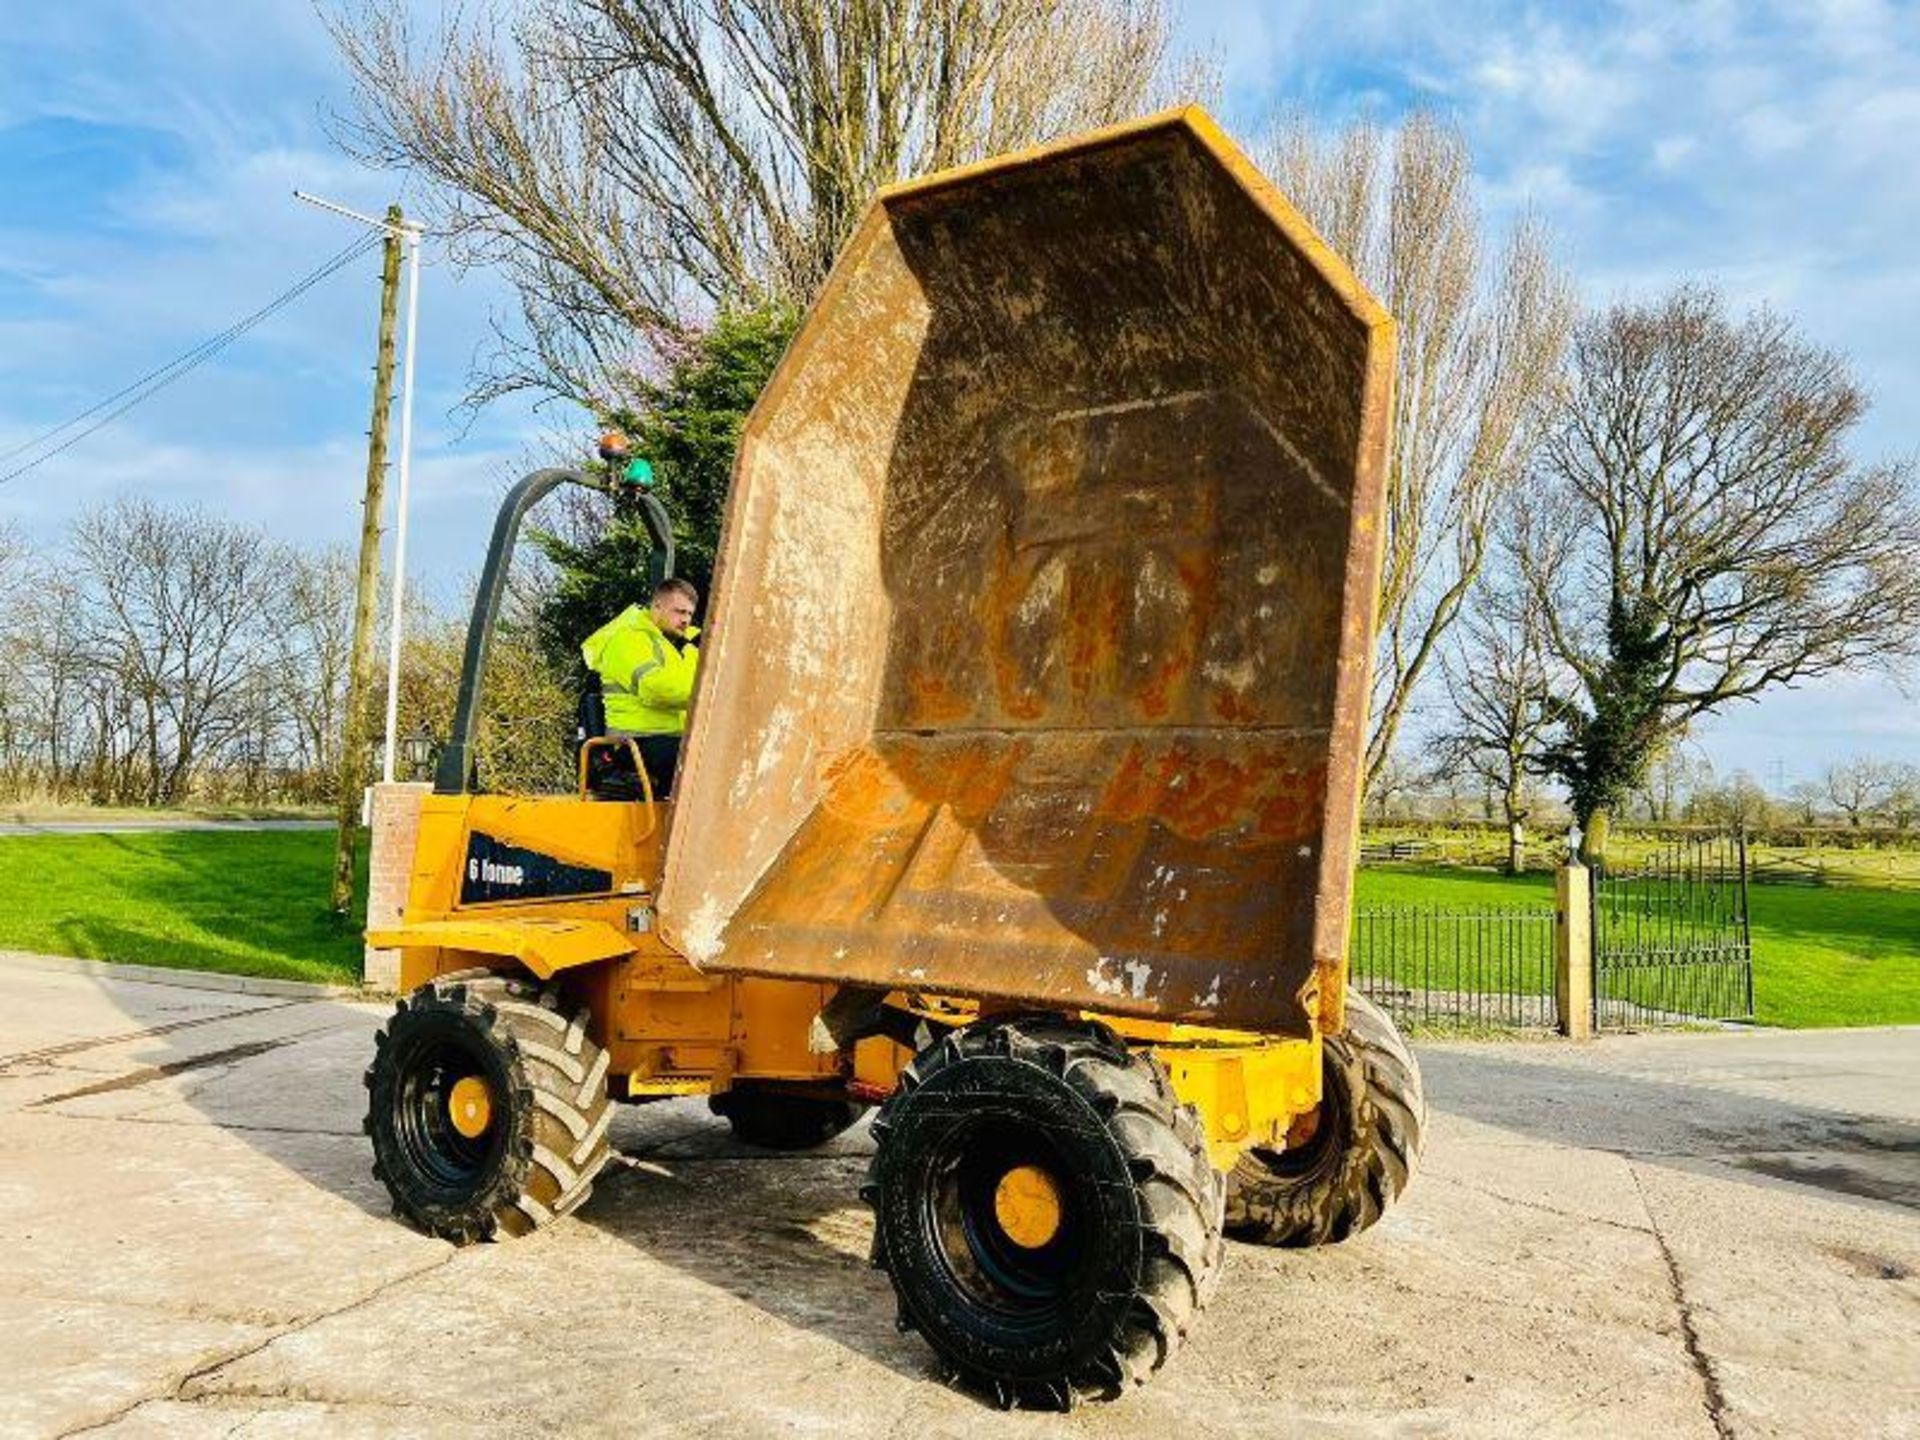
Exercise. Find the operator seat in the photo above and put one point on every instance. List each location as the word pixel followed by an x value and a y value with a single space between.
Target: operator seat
pixel 610 772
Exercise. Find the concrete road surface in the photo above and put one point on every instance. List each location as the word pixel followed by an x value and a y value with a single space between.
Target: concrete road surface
pixel 1681 1235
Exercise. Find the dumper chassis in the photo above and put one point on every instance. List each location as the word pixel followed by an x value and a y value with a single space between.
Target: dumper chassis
pixel 1092 989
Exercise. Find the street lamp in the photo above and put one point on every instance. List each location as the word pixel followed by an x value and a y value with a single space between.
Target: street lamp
pixel 410 235
pixel 417 749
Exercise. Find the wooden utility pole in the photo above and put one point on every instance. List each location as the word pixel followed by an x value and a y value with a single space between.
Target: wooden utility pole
pixel 353 739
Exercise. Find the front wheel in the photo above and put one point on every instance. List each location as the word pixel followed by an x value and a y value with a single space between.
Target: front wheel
pixel 1045 1208
pixel 487 1106
pixel 1363 1150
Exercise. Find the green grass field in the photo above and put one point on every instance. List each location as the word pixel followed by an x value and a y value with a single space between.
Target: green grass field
pixel 1841 859
pixel 254 903
pixel 1834 956
pixel 40 812
pixel 249 903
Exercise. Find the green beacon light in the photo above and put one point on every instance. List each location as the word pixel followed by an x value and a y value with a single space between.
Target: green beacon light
pixel 626 467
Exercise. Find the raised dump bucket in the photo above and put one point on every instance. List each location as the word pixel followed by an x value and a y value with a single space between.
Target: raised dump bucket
pixel 1038 666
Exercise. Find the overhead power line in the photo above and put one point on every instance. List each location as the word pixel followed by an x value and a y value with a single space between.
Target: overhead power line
pixel 154 381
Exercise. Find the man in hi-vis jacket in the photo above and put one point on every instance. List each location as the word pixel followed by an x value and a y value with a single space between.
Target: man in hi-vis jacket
pixel 646 661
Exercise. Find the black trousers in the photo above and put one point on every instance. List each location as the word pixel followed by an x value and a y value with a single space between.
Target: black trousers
pixel 610 774
pixel 661 755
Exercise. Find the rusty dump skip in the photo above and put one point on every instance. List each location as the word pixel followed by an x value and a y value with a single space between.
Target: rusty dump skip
pixel 1039 661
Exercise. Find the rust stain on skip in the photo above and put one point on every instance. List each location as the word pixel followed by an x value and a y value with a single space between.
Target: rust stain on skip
pixel 1038 668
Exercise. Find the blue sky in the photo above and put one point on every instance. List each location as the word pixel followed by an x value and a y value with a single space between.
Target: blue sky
pixel 148 154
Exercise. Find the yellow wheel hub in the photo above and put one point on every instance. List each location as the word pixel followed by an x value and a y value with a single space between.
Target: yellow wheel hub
pixel 470 1107
pixel 1027 1205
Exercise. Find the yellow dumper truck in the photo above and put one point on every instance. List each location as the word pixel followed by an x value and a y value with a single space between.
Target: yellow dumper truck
pixel 1020 789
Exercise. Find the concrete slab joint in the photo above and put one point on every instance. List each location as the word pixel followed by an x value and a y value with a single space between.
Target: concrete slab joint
pixel 1573 951
pixel 395 824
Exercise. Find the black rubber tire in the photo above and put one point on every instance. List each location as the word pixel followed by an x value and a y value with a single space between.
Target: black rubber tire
pixel 1104 1303
pixel 1372 1126
pixel 548 1079
pixel 774 1120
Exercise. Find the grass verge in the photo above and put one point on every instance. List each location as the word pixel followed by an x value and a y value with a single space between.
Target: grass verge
pixel 47 813
pixel 254 903
pixel 248 903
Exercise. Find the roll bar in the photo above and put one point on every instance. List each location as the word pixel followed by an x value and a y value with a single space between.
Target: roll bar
pixel 453 774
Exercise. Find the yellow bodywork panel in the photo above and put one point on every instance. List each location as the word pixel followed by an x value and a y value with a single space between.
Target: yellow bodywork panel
pixel 1247 1094
pixel 543 944
pixel 621 841
pixel 1248 1087
pixel 550 882
pixel 673 1029
pixel 641 1088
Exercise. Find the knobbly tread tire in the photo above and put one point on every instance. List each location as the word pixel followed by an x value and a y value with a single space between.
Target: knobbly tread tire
pixel 771 1120
pixel 556 1107
pixel 1352 1174
pixel 1180 1198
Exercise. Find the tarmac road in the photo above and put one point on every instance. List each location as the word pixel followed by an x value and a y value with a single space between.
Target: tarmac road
pixel 1657 1235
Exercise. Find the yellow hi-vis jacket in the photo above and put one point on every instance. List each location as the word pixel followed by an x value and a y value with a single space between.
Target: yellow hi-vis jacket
pixel 647 681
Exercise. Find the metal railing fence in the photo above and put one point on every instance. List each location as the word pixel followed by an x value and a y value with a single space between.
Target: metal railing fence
pixel 1486 967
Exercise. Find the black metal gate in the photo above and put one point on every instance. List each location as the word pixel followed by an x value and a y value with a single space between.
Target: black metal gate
pixel 1672 939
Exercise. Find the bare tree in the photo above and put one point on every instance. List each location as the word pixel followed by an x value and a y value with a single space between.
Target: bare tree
pixel 165 657
pixel 633 164
pixel 1483 322
pixel 178 601
pixel 1861 788
pixel 1806 799
pixel 13 560
pixel 525 736
pixel 54 674
pixel 1740 802
pixel 314 636
pixel 16 713
pixel 1390 796
pixel 1672 777
pixel 1699 535
pixel 1498 682
pixel 1903 800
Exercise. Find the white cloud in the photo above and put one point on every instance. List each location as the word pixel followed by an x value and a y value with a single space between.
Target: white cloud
pixel 1671 152
pixel 306 492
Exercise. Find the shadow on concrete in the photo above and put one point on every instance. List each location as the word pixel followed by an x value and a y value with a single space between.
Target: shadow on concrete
pixel 787 1233
pixel 784 1232
pixel 1682 1124
pixel 278 1071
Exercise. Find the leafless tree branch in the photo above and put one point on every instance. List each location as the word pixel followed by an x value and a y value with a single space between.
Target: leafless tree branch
pixel 633 164
pixel 1482 326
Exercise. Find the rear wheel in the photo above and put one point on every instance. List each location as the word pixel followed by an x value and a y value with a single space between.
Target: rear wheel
pixel 774 1120
pixel 1361 1153
pixel 1045 1208
pixel 487 1107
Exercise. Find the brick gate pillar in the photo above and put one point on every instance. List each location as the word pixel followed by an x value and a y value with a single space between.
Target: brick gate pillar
pixel 394 819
